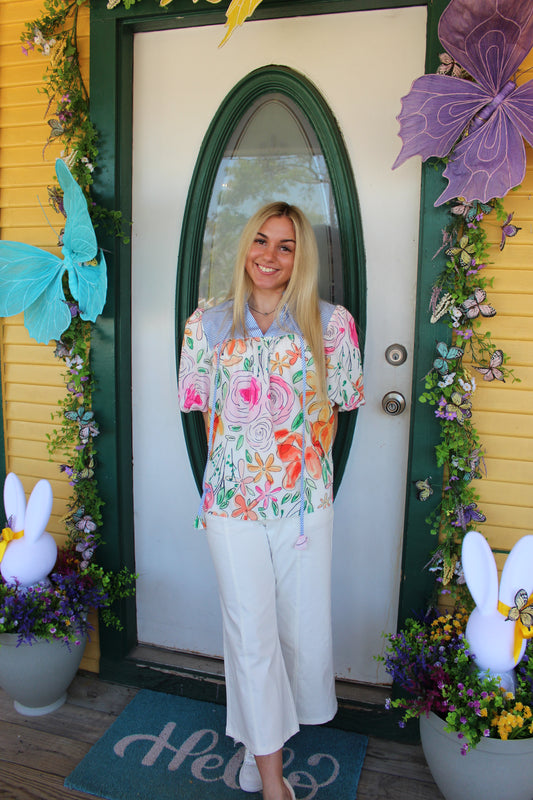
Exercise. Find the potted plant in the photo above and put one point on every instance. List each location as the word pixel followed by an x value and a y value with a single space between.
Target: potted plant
pixel 44 618
pixel 476 736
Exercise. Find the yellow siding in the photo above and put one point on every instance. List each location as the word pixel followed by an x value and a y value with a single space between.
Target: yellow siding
pixel 503 413
pixel 32 382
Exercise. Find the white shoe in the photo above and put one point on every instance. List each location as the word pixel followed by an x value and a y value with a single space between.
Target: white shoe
pixel 289 787
pixel 249 777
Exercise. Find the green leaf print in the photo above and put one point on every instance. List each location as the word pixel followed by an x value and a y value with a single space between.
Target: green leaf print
pixel 297 422
pixel 248 456
pixel 240 442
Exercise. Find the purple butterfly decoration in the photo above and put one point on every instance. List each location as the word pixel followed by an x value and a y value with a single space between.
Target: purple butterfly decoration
pixel 466 515
pixel 508 230
pixel 489 39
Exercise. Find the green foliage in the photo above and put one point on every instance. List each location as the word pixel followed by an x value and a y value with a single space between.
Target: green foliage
pixel 459 299
pixel 54 34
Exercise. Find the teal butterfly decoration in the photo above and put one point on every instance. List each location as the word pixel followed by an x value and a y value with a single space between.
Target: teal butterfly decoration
pixel 31 279
pixel 446 354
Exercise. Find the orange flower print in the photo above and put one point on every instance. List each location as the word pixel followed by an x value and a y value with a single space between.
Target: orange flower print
pixel 322 431
pixel 279 363
pixel 264 469
pixel 244 510
pixel 233 352
pixel 293 354
pixel 290 452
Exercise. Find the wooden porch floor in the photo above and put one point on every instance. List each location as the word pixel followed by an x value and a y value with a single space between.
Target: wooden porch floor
pixel 37 753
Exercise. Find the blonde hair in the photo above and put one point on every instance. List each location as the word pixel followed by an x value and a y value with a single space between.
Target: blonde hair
pixel 301 295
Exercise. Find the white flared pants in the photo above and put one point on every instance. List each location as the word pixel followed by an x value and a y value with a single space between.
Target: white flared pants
pixel 276 611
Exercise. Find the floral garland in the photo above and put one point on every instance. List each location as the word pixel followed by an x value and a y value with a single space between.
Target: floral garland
pixel 458 298
pixel 54 35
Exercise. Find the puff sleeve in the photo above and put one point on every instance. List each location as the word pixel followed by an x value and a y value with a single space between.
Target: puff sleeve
pixel 194 378
pixel 343 361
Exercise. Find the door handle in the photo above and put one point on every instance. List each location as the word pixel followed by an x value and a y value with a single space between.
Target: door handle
pixel 393 403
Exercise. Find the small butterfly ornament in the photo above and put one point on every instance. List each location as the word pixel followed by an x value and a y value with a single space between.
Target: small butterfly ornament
pixel 474 305
pixel 446 354
pixel 467 514
pixel 493 371
pixel 521 611
pixel 489 39
pixel 463 251
pixel 31 279
pixel 423 489
pixel 459 408
pixel 470 211
pixel 508 230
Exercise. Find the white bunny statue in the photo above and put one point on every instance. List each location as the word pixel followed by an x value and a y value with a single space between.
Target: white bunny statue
pixel 491 627
pixel 30 558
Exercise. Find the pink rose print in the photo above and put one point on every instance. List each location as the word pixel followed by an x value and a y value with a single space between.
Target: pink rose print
pixel 243 402
pixel 193 387
pixel 353 332
pixel 209 498
pixel 281 399
pixel 333 337
pixel 260 434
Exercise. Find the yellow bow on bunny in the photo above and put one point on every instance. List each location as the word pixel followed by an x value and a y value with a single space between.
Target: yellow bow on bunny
pixel 7 536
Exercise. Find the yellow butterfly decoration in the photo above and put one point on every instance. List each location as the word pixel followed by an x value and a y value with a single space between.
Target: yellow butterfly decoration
pixel 521 610
pixel 238 11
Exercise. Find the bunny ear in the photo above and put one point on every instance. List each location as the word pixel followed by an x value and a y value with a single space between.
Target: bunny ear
pixel 14 501
pixel 517 571
pixel 38 511
pixel 480 572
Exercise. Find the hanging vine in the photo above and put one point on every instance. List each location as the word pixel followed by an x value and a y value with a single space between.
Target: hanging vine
pixel 459 298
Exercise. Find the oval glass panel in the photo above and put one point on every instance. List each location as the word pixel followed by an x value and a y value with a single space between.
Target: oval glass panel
pixel 273 138
pixel 273 154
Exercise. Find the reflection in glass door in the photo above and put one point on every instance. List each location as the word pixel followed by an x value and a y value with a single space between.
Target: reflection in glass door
pixel 273 154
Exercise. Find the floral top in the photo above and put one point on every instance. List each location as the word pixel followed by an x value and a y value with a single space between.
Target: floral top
pixel 259 436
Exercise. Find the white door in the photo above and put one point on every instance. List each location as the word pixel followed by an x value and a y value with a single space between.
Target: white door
pixel 362 63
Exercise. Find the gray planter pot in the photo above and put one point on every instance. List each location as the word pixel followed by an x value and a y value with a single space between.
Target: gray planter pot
pixel 493 770
pixel 37 676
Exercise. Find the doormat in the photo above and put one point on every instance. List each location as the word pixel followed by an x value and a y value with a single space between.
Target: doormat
pixel 168 747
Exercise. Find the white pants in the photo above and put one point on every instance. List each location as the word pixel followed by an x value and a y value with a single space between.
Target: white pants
pixel 276 611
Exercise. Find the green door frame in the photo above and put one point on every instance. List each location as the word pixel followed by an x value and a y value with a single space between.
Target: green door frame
pixel 111 74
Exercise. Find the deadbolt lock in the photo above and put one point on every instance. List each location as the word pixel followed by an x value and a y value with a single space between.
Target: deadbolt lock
pixel 396 354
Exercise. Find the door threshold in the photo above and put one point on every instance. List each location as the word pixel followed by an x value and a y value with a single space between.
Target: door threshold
pixel 200 677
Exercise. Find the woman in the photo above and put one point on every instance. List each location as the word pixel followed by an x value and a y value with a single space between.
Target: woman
pixel 267 500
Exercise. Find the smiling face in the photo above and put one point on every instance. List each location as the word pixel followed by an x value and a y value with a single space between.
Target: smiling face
pixel 270 259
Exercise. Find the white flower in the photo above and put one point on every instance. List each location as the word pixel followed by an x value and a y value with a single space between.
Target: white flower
pixel 447 381
pixel 456 314
pixel 87 163
pixel 468 387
